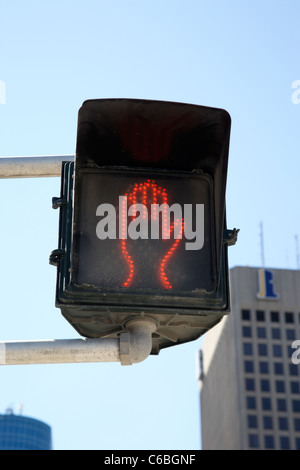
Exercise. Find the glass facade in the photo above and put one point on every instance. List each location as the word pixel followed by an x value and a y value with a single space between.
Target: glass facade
pixel 22 433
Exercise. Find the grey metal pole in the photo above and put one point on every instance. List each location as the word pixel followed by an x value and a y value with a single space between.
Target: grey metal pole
pixel 59 351
pixel 32 167
pixel 134 345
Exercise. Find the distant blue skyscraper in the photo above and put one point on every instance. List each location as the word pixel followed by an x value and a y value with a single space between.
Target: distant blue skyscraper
pixel 21 433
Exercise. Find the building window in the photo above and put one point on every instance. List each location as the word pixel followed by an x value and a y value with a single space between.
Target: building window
pixel 269 442
pixel 290 334
pixel 283 423
pixel 284 443
pixel 295 387
pixel 246 331
pixel 250 384
pixel 277 350
pixel 275 317
pixel 278 368
pixel 260 315
pixel 290 351
pixel 265 385
pixel 276 333
pixel 253 441
pixel 296 406
pixel 245 315
pixel 289 317
pixel 249 366
pixel 297 424
pixel 280 386
pixel 251 403
pixel 281 404
pixel 261 332
pixel 248 349
pixel 293 369
pixel 268 422
pixel 262 349
pixel 266 403
pixel 297 442
pixel 252 422
pixel 263 367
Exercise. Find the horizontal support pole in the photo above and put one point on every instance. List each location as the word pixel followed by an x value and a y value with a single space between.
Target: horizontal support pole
pixel 32 167
pixel 59 351
pixel 134 345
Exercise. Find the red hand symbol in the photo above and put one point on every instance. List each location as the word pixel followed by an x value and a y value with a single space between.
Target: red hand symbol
pixel 149 194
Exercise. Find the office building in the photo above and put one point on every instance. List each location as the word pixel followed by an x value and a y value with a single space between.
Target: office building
pixel 250 372
pixel 22 433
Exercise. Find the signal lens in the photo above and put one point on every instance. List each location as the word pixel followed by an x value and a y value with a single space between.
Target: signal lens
pixel 137 233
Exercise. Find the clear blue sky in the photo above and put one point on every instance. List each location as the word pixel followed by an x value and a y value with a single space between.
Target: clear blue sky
pixel 242 56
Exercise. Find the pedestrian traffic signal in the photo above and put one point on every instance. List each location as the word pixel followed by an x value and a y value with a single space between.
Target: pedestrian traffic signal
pixel 142 220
